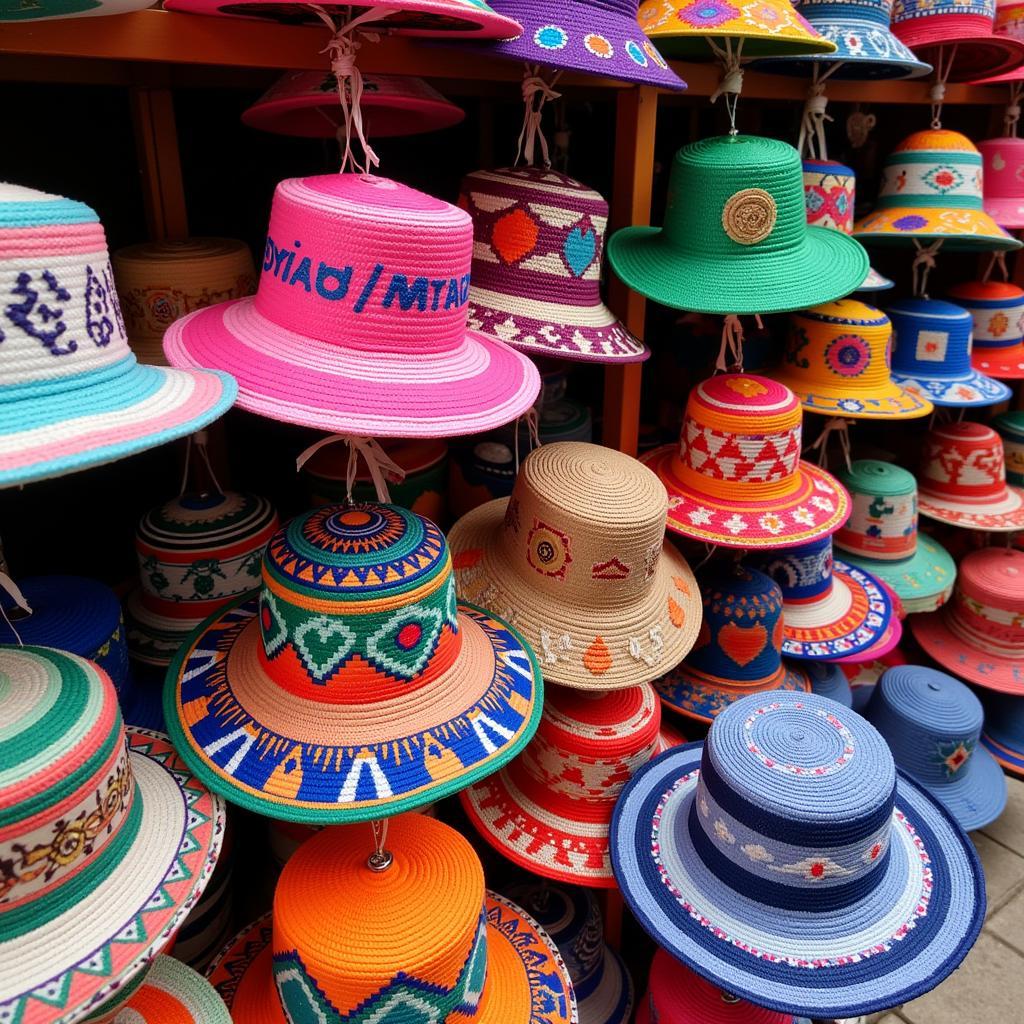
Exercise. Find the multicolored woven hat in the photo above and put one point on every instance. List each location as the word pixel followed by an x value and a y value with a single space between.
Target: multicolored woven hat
pixel 1003 168
pixel 1003 736
pixel 1010 426
pixel 106 839
pixel 735 237
pixel 1009 22
pixel 962 480
pixel 736 477
pixel 18 10
pixel 787 861
pixel 578 561
pixel 881 536
pixel 538 238
pixel 931 191
pixel 158 282
pixel 296 702
pixel 72 395
pixel 997 311
pixel 932 723
pixel 836 361
pixel 739 650
pixel 359 321
pixel 931 355
pixel 979 635
pixel 422 938
pixel 550 809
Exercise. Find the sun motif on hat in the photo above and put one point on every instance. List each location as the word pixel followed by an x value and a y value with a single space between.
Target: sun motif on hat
pixel 748 216
pixel 849 355
pixel 707 13
pixel 547 550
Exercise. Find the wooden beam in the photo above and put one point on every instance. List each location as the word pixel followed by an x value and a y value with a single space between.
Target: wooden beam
pixel 156 138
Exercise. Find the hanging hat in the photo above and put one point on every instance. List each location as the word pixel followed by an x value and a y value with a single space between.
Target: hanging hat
pixel 1003 175
pixel 106 840
pixel 196 553
pixel 1010 426
pixel 785 860
pixel 421 936
pixel 979 635
pixel 864 675
pixel 73 395
pixel 962 480
pixel 931 191
pixel 536 281
pixel 359 321
pixel 577 559
pixel 830 192
pixel 40 10
pixel 997 312
pixel 836 360
pixel 735 237
pixel 1003 736
pixel 158 282
pixel 932 723
pixel 352 686
pixel 736 477
pixel 829 680
pixel 550 809
pixel 306 103
pixel 931 355
pixel 881 536
pixel 739 650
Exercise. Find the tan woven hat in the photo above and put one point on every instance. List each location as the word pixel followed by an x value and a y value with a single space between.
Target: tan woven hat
pixel 576 558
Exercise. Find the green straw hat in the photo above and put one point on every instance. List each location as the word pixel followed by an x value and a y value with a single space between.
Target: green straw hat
pixel 736 238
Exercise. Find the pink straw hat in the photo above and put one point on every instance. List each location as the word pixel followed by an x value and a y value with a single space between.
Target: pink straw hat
pixel 359 321
pixel 1003 180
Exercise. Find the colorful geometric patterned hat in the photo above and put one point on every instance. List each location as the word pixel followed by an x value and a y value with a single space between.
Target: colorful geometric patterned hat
pixel 881 536
pixel 106 838
pixel 997 309
pixel 550 809
pixel 195 553
pixel 931 355
pixel 1003 736
pixel 577 559
pixel 962 480
pixel 295 702
pixel 739 650
pixel 18 10
pixel 1010 426
pixel 736 477
pixel 359 321
pixel 979 635
pixel 305 103
pixel 932 723
pixel 73 395
pixel 538 238
pixel 836 361
pixel 422 938
pixel 1003 163
pixel 735 237
pixel 785 860
pixel 931 191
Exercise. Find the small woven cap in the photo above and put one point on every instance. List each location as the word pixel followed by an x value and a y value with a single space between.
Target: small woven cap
pixel 359 321
pixel 932 723
pixel 997 311
pixel 788 862
pixel 1003 164
pixel 107 839
pixel 577 560
pixel 1004 730
pixel 538 239
pixel 550 809
pixel 1010 427
pixel 735 237
pixel 736 477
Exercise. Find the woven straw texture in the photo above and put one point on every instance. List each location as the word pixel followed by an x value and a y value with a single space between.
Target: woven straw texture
pixel 1004 730
pixel 1002 160
pixel 1008 23
pixel 997 309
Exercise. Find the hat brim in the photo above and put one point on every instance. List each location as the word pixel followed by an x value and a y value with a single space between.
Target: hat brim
pixel 676 40
pixel 1003 362
pixel 1007 213
pixel 889 401
pixel 977 796
pixel 957 229
pixel 965 660
pixel 893 945
pixel 885 643
pixel 985 54
pixel 816 509
pixel 172 991
pixel 1003 516
pixel 109 414
pixel 973 390
pixel 610 1001
pixel 153 639
pixel 876 282
pixel 826 265
pixel 282 756
pixel 297 379
pixel 1008 756
pixel 119 924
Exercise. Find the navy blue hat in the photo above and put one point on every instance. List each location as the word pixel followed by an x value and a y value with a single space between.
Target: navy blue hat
pixel 1004 730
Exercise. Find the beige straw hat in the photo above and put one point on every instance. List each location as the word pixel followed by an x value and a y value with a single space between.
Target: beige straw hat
pixel 577 560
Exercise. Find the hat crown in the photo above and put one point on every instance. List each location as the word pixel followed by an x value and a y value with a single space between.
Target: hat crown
pixel 883 516
pixel 830 188
pixel 1003 165
pixel 997 312
pixel 963 461
pixel 987 609
pixel 907 10
pixel 930 339
pixel 366 263
pixel 878 11
pixel 933 168
pixel 804 573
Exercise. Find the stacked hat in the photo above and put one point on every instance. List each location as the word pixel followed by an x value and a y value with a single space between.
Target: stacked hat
pixel 359 321
pixel 107 840
pixel 739 650
pixel 736 477
pixel 352 685
pixel 1003 162
pixel 577 560
pixel 1004 730
pixel 158 282
pixel 18 10
pixel 786 861
pixel 932 723
pixel 196 553
pixel 837 362
pixel 735 237
pixel 997 310
pixel 1010 426
pixel 829 680
pixel 1009 22
pixel 211 922
pixel 73 395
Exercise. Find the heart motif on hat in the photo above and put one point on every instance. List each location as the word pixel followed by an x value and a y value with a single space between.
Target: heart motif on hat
pixel 514 235
pixel 579 249
pixel 742 643
pixel 326 649
pixel 998 163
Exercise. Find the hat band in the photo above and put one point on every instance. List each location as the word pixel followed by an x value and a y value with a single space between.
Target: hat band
pixel 562 802
pixel 882 526
pixel 991 629
pixel 747 491
pixel 824 10
pixel 804 574
pixel 964 494
pixel 994 344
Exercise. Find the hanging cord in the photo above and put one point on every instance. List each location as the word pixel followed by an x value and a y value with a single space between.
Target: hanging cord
pixel 924 264
pixel 841 428
pixel 1012 115
pixel 199 439
pixel 731 83
pixel 14 591
pixel 811 143
pixel 732 344
pixel 532 418
pixel 709 550
pixel 381 859
pixel 943 66
pixel 537 90
pixel 996 259
pixel 381 466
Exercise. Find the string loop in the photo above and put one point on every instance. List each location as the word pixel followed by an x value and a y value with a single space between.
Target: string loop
pixel 381 859
pixel 537 90
pixel 532 420
pixel 381 466
pixel 943 66
pixel 924 264
pixel 199 439
pixel 730 85
pixel 730 351
pixel 841 428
